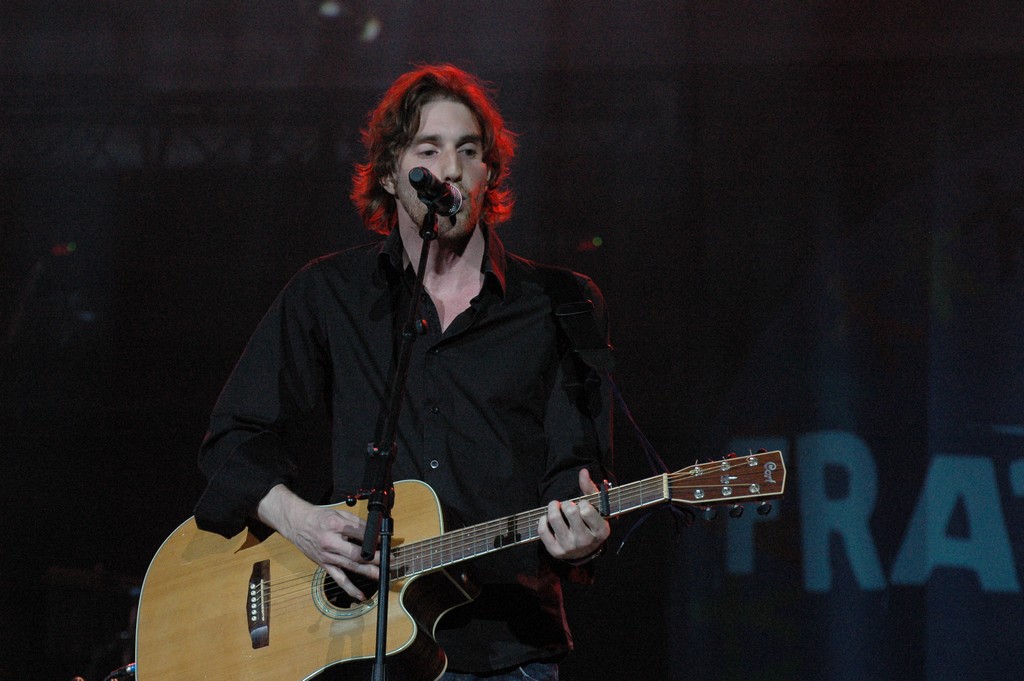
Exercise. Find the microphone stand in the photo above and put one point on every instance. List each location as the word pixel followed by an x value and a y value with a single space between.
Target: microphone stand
pixel 378 479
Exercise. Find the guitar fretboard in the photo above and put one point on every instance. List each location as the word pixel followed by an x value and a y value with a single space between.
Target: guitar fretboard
pixel 730 480
pixel 477 540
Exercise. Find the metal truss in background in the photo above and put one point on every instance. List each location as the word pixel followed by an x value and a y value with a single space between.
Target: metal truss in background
pixel 87 127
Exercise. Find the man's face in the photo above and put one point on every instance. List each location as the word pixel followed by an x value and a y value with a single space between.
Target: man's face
pixel 448 144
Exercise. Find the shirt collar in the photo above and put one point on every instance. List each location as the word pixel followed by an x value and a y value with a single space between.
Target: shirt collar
pixel 391 259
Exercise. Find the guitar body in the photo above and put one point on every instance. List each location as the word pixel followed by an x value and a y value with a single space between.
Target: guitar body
pixel 241 609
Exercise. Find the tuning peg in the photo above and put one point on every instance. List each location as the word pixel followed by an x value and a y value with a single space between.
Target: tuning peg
pixel 709 513
pixel 736 511
pixel 764 508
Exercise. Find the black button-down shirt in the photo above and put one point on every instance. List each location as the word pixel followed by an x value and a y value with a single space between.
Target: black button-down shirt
pixel 487 420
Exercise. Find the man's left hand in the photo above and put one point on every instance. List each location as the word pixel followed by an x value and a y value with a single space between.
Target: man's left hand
pixel 573 530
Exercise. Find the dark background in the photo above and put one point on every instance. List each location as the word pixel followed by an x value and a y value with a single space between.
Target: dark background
pixel 811 224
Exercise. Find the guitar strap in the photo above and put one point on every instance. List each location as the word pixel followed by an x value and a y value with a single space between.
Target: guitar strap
pixel 588 379
pixel 594 361
pixel 575 316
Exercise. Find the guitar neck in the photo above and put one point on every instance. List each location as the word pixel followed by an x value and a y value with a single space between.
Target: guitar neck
pixel 478 540
pixel 730 480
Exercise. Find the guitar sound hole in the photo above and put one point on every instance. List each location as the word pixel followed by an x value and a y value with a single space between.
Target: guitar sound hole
pixel 335 601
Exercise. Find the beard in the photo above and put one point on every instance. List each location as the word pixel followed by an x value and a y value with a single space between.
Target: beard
pixel 454 228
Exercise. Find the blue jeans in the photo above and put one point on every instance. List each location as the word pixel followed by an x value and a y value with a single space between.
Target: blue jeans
pixel 536 671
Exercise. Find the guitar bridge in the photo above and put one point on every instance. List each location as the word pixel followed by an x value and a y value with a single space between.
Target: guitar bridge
pixel 257 606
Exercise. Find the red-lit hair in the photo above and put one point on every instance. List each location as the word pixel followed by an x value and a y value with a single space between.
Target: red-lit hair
pixel 396 120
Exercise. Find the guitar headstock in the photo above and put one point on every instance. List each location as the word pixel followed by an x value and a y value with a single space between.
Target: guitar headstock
pixel 733 479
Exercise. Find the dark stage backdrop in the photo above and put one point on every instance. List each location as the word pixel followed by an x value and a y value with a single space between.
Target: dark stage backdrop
pixel 808 222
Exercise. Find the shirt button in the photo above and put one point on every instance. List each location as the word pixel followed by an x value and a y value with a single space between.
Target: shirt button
pixel 435 351
pixel 435 464
pixel 435 410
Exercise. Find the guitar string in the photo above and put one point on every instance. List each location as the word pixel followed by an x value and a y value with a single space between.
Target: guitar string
pixel 422 555
pixel 478 538
pixel 454 546
pixel 460 545
pixel 485 533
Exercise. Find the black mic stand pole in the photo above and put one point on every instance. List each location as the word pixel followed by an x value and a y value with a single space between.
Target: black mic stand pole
pixel 379 522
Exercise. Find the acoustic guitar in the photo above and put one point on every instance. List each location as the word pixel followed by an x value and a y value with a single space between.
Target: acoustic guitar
pixel 241 609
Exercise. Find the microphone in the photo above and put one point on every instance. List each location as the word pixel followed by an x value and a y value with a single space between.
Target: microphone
pixel 443 196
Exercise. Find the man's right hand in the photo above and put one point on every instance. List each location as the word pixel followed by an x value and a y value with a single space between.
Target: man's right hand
pixel 329 537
